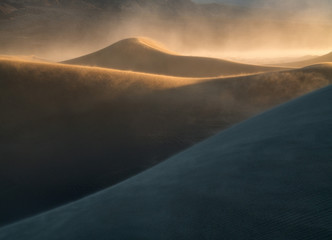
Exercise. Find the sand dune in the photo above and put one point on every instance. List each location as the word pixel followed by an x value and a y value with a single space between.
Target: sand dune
pixel 267 178
pixel 142 55
pixel 69 131
pixel 317 60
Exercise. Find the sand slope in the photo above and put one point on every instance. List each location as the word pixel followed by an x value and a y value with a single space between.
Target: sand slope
pixel 267 178
pixel 142 55
pixel 69 131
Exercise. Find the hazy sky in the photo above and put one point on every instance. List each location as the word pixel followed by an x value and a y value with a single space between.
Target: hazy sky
pixel 228 1
pixel 275 3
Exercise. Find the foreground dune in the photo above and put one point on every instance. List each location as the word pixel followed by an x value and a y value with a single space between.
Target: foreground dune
pixel 141 55
pixel 69 131
pixel 267 178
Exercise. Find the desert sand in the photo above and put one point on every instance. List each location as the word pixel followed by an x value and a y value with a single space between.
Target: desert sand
pixel 68 131
pixel 266 178
pixel 165 119
pixel 144 55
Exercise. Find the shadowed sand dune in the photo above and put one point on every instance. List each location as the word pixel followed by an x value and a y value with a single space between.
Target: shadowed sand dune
pixel 266 178
pixel 68 131
pixel 317 60
pixel 143 55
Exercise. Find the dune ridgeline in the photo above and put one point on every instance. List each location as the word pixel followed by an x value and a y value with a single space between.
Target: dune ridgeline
pixel 144 55
pixel 68 131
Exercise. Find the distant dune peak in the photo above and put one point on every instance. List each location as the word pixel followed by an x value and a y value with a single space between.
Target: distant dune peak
pixel 144 43
pixel 145 55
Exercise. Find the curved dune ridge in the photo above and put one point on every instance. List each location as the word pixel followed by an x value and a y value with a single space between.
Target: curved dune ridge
pixel 149 43
pixel 322 59
pixel 68 131
pixel 143 55
pixel 266 178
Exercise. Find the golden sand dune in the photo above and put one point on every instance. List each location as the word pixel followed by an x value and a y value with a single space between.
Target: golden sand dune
pixel 143 55
pixel 67 131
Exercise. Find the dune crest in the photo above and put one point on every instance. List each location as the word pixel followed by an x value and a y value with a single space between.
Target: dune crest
pixel 144 55
pixel 151 44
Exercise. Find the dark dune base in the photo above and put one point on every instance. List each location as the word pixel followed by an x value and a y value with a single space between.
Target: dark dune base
pixel 266 178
